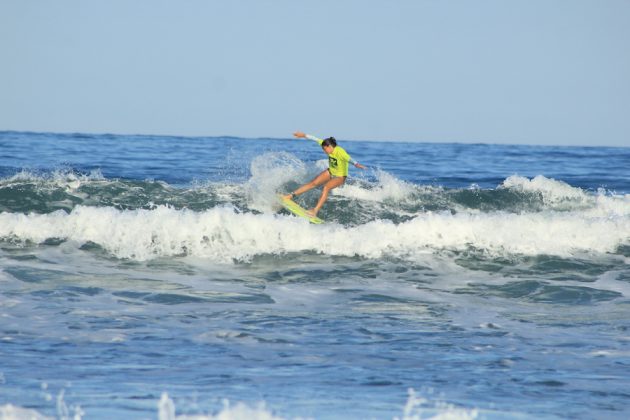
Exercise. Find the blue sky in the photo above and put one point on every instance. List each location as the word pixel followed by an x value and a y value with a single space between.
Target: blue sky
pixel 493 71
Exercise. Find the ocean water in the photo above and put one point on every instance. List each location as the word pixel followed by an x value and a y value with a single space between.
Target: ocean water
pixel 146 277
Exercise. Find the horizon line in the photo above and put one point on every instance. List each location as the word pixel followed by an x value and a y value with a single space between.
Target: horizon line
pixel 226 136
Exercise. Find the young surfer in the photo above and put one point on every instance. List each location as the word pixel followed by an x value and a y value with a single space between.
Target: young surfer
pixel 332 177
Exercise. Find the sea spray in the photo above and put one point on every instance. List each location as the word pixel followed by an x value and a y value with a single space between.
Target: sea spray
pixel 225 234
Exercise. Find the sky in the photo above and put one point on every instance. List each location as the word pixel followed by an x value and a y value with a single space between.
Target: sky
pixel 548 72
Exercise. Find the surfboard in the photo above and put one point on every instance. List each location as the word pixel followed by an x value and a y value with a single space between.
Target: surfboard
pixel 298 210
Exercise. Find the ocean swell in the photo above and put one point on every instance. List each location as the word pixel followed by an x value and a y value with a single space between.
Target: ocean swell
pixel 226 234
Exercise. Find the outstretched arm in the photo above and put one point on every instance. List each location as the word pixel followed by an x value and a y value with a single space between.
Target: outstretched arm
pixel 302 135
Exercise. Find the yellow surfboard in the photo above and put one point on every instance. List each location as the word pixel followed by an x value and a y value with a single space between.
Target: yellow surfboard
pixel 298 210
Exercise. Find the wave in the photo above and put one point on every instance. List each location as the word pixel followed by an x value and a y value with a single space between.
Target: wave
pixel 373 216
pixel 227 234
pixel 377 196
pixel 29 192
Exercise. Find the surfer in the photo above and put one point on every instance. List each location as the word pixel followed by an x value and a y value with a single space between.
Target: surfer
pixel 332 177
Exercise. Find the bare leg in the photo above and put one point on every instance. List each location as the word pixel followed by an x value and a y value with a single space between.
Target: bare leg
pixel 331 184
pixel 315 182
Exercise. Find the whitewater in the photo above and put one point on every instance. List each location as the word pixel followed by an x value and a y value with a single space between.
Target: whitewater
pixel 158 277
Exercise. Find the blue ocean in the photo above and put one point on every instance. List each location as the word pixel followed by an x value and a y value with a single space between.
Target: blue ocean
pixel 157 277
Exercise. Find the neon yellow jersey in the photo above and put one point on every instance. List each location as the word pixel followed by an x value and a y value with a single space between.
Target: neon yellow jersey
pixel 337 160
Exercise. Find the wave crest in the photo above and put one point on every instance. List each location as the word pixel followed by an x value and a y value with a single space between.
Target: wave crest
pixel 225 234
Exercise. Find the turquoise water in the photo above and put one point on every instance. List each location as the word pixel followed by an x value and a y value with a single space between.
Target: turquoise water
pixel 146 277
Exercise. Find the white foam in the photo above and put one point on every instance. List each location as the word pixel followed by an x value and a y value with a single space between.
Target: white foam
pixel 558 195
pixel 12 412
pixel 551 190
pixel 224 234
pixel 240 411
pixel 611 353
pixel 270 171
pixel 611 206
pixel 65 179
pixel 416 408
pixel 387 187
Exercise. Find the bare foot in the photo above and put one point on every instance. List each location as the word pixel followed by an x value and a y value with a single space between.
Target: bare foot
pixel 287 196
pixel 312 212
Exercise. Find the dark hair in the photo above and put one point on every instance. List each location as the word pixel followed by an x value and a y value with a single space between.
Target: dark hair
pixel 330 141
